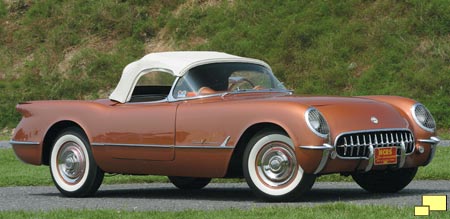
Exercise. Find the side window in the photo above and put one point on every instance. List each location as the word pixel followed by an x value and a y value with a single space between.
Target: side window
pixel 152 86
pixel 156 78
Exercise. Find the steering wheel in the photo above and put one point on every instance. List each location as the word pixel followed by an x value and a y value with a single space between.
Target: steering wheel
pixel 243 81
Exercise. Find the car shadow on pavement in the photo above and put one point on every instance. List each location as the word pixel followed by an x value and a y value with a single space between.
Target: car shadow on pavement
pixel 244 194
pixel 231 194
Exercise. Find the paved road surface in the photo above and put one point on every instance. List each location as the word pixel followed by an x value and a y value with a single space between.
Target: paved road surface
pixel 165 197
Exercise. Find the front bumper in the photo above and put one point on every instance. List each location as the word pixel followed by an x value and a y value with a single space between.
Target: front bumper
pixel 433 141
pixel 329 152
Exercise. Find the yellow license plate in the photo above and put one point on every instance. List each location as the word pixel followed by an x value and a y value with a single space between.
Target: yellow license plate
pixel 385 156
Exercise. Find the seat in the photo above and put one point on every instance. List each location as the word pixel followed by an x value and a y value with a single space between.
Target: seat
pixel 205 91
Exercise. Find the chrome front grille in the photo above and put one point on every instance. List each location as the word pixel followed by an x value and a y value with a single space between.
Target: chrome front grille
pixel 355 145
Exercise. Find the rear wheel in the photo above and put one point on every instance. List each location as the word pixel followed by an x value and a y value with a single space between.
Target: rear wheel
pixel 387 181
pixel 72 165
pixel 189 182
pixel 271 168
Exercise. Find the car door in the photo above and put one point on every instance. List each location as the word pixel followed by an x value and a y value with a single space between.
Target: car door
pixel 142 129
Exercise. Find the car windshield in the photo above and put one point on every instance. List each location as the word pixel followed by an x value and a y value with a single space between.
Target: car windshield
pixel 225 78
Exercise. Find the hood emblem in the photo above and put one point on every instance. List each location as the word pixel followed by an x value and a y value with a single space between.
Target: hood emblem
pixel 374 120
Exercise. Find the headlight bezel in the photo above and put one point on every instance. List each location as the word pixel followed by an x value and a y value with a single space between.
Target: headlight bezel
pixel 313 115
pixel 429 118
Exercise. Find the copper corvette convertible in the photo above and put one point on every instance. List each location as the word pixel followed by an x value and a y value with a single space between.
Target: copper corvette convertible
pixel 194 116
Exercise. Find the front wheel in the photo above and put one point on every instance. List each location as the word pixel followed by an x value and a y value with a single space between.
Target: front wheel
pixel 189 182
pixel 72 165
pixel 271 168
pixel 386 181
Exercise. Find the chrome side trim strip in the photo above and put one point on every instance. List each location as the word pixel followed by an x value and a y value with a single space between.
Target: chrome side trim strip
pixel 203 147
pixel 327 148
pixel 225 142
pixel 131 145
pixel 12 142
pixel 160 146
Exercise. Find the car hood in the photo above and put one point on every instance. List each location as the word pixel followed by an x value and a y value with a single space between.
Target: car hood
pixel 345 114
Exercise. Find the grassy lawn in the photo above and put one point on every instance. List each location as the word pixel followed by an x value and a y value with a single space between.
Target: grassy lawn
pixel 337 210
pixel 5 135
pixel 444 134
pixel 16 173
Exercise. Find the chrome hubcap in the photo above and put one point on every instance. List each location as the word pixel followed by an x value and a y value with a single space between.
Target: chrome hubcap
pixel 71 162
pixel 276 164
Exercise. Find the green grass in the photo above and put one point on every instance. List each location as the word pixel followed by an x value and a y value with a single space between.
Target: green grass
pixel 336 210
pixel 435 169
pixel 5 134
pixel 444 134
pixel 353 47
pixel 16 173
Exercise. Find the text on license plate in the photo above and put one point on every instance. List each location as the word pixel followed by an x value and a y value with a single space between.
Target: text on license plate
pixel 385 156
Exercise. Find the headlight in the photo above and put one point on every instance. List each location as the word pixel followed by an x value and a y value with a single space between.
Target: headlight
pixel 316 122
pixel 423 117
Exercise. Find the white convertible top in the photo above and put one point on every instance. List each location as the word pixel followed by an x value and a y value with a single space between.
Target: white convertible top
pixel 176 63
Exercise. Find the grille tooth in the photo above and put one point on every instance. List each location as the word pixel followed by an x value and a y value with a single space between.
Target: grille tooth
pixel 392 139
pixel 365 145
pixel 345 146
pixel 354 145
pixel 388 142
pixel 411 143
pixel 359 145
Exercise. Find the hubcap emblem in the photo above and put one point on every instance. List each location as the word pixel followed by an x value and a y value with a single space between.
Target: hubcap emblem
pixel 374 120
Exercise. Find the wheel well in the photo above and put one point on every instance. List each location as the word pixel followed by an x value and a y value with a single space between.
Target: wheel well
pixel 51 136
pixel 235 164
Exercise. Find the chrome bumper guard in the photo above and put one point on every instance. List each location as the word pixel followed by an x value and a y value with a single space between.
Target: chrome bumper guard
pixel 433 141
pixel 327 149
pixel 400 162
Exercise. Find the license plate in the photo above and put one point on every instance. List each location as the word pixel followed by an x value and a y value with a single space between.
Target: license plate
pixel 385 156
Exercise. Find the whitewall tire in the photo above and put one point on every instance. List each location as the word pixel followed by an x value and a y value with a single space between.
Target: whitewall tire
pixel 271 168
pixel 72 166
